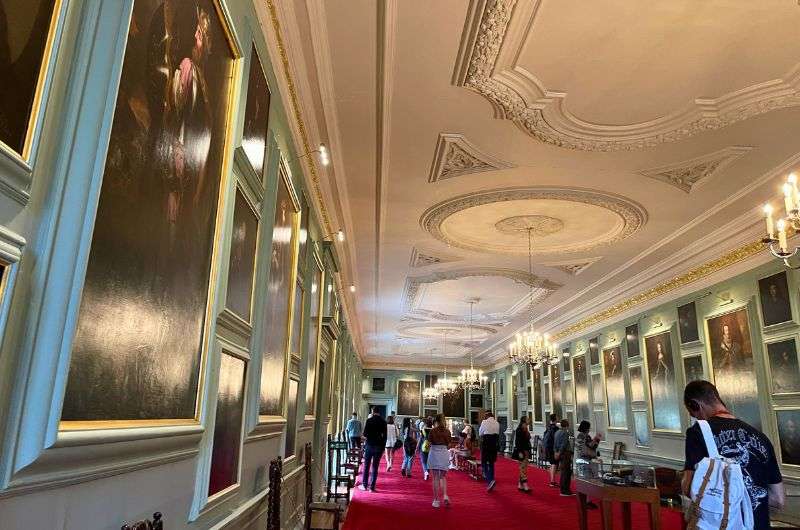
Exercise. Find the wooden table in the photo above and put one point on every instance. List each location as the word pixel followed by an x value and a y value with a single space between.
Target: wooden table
pixel 607 494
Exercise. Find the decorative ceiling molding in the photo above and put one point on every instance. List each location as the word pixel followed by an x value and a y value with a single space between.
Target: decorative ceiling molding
pixel 424 258
pixel 574 268
pixel 456 156
pixel 632 214
pixel 413 283
pixel 690 174
pixel 517 95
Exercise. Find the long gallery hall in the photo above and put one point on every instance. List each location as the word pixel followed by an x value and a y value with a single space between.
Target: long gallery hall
pixel 399 264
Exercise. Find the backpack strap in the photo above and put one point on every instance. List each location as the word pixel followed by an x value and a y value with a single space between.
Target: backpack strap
pixel 708 436
pixel 726 501
pixel 694 509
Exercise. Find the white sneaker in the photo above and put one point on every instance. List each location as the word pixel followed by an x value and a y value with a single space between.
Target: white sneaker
pixel 362 487
pixel 435 504
pixel 426 475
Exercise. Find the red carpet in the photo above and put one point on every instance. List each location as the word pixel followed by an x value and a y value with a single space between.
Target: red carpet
pixel 404 503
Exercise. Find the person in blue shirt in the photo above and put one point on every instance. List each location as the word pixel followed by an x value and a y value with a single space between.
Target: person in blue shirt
pixel 354 431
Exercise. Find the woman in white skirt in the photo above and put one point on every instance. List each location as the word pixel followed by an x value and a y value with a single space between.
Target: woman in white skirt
pixel 391 441
pixel 439 459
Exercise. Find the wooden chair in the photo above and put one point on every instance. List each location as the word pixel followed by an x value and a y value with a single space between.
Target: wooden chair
pixel 319 515
pixel 274 495
pixel 337 477
pixel 617 452
pixel 474 469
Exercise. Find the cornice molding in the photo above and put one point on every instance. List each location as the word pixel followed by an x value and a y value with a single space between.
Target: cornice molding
pixel 517 95
pixel 425 258
pixel 688 175
pixel 455 156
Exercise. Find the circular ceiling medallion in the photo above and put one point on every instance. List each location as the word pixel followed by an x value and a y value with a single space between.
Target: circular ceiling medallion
pixel 564 220
pixel 454 332
pixel 539 225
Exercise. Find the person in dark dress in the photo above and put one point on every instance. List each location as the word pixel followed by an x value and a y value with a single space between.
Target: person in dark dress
pixel 736 440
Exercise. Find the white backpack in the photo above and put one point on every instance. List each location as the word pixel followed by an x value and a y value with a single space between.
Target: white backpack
pixel 719 496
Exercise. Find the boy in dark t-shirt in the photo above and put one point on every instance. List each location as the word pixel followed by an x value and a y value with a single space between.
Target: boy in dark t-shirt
pixel 738 441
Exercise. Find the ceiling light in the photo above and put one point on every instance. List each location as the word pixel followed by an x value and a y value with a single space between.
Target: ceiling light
pixel 340 235
pixel 324 157
pixel 352 288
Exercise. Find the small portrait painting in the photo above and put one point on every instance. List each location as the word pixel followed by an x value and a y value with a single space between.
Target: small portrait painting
pixel 474 417
pixel 687 323
pixel 408 398
pixel 641 428
pixel 476 401
pixel 228 425
pixel 555 381
pixel 546 393
pixel 661 374
pixel 430 413
pixel 565 364
pixel 379 384
pixel 693 368
pixel 632 340
pixel 732 364
pixel 597 388
pixel 637 388
pixel 537 395
pixel 594 351
pixel 256 114
pixel 581 383
pixel 783 366
pixel 243 257
pixel 615 388
pixel 775 303
pixel 789 435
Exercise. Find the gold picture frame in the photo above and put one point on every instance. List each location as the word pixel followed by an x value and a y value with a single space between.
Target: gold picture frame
pixel 233 96
pixel 241 187
pixel 285 173
pixel 318 271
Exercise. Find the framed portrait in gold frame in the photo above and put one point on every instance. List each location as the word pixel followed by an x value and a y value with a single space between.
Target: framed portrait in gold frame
pixel 314 333
pixel 243 259
pixel 279 311
pixel 25 70
pixel 155 252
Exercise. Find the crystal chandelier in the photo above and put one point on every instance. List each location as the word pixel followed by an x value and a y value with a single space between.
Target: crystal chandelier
pixel 778 243
pixel 445 385
pixel 531 347
pixel 470 378
pixel 430 392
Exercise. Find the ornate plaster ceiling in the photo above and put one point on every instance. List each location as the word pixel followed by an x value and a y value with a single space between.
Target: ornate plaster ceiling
pixel 635 142
pixel 562 220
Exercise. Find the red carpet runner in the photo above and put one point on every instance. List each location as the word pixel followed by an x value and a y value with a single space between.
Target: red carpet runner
pixel 405 503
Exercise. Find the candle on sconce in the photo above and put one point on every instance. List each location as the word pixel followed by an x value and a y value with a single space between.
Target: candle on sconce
pixel 770 222
pixel 788 203
pixel 782 236
pixel 795 196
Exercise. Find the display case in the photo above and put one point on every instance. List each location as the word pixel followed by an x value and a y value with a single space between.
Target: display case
pixel 616 473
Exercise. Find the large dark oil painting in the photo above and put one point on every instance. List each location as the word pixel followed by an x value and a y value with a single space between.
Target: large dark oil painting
pixel 783 366
pixel 256 114
pixel 24 30
pixel 776 306
pixel 537 395
pixel 789 435
pixel 632 340
pixel 615 388
pixel 687 323
pixel 276 317
pixel 555 381
pixel 453 404
pixel 409 396
pixel 661 376
pixel 228 425
pixel 138 345
pixel 291 417
pixel 579 377
pixel 243 257
pixel 732 364
pixel 312 336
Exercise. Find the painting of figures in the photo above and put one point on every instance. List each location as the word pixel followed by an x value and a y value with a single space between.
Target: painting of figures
pixel 615 388
pixel 243 257
pixel 732 364
pixel 228 425
pixel 661 376
pixel 789 434
pixel 687 323
pixel 453 404
pixel 409 396
pixel 783 366
pixel 776 307
pixel 139 341
pixel 693 368
pixel 581 388
pixel 256 114
pixel 25 28
pixel 278 299
pixel 632 340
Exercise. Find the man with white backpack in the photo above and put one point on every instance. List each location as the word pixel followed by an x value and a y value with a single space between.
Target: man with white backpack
pixel 731 473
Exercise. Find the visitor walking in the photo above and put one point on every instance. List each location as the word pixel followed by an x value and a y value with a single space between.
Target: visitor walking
pixel 409 447
pixel 375 435
pixel 424 445
pixel 489 432
pixel 522 451
pixel 548 441
pixel 563 455
pixel 438 460
pixel 737 441
pixel 392 439
pixel 354 431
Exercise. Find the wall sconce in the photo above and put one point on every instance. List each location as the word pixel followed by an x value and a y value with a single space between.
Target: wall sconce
pixel 725 298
